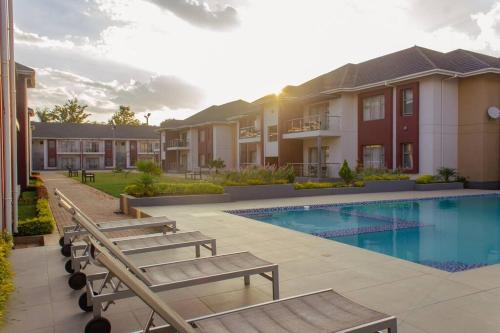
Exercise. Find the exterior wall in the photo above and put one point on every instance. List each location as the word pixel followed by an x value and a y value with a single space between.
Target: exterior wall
pixel 407 127
pixel 376 132
pixel 438 124
pixel 224 144
pixel 289 150
pixel 479 136
pixel 334 156
pixel 270 118
pixel 23 157
pixel 205 147
pixel 193 149
pixel 346 106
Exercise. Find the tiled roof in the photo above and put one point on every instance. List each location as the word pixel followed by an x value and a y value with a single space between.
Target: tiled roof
pixel 392 66
pixel 213 114
pixel 93 131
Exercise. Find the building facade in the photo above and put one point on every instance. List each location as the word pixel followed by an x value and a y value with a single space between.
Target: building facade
pixel 415 110
pixel 59 146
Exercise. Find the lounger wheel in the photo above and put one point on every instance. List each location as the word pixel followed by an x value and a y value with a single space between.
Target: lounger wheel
pixel 66 250
pixel 77 280
pixel 68 267
pixel 98 325
pixel 82 303
pixel 61 241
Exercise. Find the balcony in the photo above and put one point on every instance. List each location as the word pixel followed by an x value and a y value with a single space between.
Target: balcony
pixel 177 144
pixel 249 134
pixel 313 126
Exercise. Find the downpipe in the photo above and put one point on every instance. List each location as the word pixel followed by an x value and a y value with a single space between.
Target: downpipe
pixel 13 112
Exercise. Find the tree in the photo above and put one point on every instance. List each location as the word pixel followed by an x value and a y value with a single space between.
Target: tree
pixel 217 164
pixel 44 114
pixel 70 112
pixel 346 173
pixel 124 116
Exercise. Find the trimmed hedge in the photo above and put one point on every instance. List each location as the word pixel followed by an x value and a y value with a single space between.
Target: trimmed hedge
pixel 6 275
pixel 165 189
pixel 385 176
pixel 426 179
pixel 313 185
pixel 41 225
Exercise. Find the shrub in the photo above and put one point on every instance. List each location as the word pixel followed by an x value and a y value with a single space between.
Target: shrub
pixel 312 185
pixel 175 189
pixel 258 176
pixel 217 164
pixel 6 285
pixel 346 173
pixel 189 188
pixel 385 176
pixel 41 225
pixel 425 179
pixel 359 183
pixel 148 166
pixel 446 173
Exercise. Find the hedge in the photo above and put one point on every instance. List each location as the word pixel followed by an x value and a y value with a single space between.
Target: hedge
pixel 386 176
pixel 41 225
pixel 6 275
pixel 312 185
pixel 162 189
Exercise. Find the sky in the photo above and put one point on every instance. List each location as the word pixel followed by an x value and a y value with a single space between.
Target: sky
pixel 173 58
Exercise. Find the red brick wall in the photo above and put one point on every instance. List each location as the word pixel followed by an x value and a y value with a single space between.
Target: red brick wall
pixel 407 129
pixel 376 132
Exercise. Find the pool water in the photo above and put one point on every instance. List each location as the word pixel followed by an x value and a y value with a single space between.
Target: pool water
pixel 451 234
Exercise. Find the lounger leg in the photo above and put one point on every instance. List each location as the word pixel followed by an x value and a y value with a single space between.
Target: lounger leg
pixel 393 327
pixel 197 247
pixel 247 280
pixel 276 285
pixel 214 248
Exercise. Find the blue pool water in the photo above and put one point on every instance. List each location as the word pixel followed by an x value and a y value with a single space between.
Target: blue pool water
pixel 452 234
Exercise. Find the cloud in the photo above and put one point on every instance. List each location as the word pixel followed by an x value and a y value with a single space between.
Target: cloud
pixel 158 93
pixel 457 14
pixel 201 14
pixel 29 38
pixel 59 19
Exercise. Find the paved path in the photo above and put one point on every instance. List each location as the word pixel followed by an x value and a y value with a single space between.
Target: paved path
pixel 98 205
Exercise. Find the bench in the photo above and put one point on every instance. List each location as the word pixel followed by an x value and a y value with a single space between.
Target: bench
pixel 72 173
pixel 90 176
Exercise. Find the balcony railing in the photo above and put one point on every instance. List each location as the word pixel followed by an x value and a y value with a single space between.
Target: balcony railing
pixel 316 170
pixel 177 143
pixel 249 132
pixel 313 123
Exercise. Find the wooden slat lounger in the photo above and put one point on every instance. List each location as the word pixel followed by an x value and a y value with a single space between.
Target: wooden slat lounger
pixel 71 233
pixel 318 312
pixel 104 288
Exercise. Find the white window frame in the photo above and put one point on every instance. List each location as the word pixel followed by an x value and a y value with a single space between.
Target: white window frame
pixel 407 153
pixel 407 102
pixel 374 107
pixel 369 160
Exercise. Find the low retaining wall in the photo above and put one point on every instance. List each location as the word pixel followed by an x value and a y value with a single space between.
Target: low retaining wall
pixel 128 203
pixel 439 186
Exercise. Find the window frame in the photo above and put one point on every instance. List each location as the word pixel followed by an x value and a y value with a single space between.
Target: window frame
pixel 405 102
pixel 368 102
pixel 370 149
pixel 272 135
pixel 408 154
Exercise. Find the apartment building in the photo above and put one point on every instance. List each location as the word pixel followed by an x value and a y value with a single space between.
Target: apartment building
pixel 415 110
pixel 208 135
pixel 92 146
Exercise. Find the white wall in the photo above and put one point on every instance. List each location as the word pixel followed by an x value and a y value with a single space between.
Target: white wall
pixel 438 124
pixel 163 145
pixel 270 119
pixel 223 142
pixel 192 137
pixel 347 106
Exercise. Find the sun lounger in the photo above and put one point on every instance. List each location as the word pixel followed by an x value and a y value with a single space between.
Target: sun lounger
pixel 104 288
pixel 319 312
pixel 71 233
pixel 81 251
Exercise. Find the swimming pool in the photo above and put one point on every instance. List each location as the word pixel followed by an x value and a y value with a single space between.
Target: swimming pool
pixel 452 234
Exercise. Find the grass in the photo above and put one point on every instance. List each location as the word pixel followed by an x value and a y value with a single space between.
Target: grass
pixel 115 183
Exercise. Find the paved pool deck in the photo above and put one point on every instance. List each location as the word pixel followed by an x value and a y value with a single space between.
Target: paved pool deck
pixel 424 299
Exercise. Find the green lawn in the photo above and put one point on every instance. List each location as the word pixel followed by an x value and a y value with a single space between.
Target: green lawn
pixel 114 183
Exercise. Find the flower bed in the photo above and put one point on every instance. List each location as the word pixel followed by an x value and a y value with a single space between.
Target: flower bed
pixel 314 185
pixel 6 285
pixel 173 189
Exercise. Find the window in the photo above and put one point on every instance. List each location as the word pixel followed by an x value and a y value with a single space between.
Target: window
pixel 91 147
pixel 201 135
pixel 272 133
pixel 92 163
pixel 407 102
pixel 373 157
pixel 146 147
pixel 68 162
pixel 68 146
pixel 373 108
pixel 407 158
pixel 201 160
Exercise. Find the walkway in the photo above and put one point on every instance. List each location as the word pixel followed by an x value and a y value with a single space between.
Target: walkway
pixel 98 205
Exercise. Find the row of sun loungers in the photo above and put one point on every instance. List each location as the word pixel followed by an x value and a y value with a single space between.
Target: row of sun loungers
pixel 321 311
